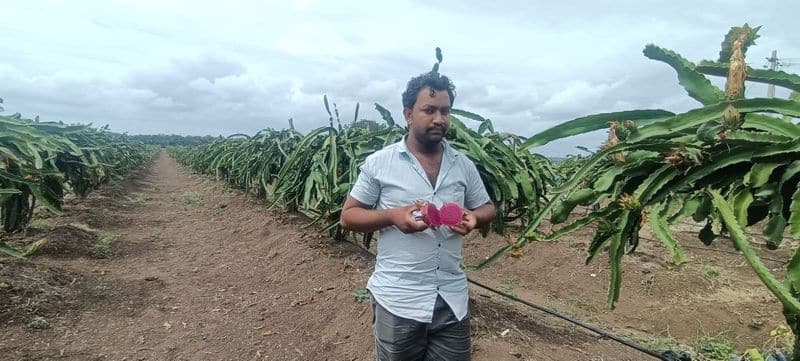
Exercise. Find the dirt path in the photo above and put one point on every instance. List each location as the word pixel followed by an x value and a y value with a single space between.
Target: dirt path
pixel 200 272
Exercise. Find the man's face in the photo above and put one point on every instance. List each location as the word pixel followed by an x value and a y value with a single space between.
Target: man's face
pixel 428 121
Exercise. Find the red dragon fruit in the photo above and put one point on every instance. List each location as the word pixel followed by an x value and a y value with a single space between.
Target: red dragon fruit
pixel 449 214
pixel 430 215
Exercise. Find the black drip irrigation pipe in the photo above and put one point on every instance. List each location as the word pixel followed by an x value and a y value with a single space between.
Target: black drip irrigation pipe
pixel 664 356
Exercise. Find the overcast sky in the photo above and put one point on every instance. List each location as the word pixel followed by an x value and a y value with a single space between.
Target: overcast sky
pixel 187 67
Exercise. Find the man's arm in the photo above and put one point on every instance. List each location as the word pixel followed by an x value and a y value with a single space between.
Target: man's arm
pixel 361 217
pixel 484 214
pixel 475 196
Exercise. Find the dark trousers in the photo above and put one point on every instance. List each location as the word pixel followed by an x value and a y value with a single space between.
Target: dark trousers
pixel 401 339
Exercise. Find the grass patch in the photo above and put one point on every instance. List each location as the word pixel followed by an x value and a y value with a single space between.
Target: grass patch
pixel 549 301
pixel 586 306
pixel 219 207
pixel 191 198
pixel 101 289
pixel 360 295
pixel 508 286
pixel 716 347
pixel 142 198
pixel 39 323
pixel 102 248
pixel 710 271
pixel 659 344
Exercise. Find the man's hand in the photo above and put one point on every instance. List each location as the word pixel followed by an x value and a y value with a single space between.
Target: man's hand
pixel 468 223
pixel 403 218
pixel 361 217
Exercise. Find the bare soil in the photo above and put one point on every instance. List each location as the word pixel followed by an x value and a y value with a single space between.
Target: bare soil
pixel 198 271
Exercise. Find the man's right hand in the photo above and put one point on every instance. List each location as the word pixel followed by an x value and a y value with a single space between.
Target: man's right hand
pixel 361 217
pixel 403 218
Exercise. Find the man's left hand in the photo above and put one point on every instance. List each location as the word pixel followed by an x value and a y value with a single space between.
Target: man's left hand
pixel 468 223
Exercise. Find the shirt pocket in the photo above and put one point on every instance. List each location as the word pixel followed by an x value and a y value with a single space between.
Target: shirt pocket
pixel 456 194
pixel 396 196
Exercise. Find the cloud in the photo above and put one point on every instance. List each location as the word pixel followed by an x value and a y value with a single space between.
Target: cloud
pixel 190 68
pixel 176 79
pixel 577 92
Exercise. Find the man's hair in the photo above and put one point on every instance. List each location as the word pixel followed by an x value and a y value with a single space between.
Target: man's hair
pixel 434 80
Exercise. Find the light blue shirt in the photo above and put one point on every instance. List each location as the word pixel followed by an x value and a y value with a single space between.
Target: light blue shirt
pixel 412 269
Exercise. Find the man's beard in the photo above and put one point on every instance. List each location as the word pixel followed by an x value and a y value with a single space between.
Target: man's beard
pixel 431 137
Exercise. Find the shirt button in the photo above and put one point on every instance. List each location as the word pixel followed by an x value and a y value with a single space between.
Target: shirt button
pixel 440 244
pixel 437 288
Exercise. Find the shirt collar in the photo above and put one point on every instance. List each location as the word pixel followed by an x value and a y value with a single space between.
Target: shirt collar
pixel 448 150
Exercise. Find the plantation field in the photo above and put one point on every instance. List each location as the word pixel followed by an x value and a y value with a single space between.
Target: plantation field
pixel 168 264
pixel 232 248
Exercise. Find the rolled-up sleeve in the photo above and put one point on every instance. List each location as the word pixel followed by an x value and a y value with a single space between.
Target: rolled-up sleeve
pixel 367 189
pixel 475 195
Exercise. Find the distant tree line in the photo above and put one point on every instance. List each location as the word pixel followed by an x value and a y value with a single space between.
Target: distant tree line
pixel 172 139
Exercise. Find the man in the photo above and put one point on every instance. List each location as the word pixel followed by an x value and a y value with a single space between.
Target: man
pixel 419 292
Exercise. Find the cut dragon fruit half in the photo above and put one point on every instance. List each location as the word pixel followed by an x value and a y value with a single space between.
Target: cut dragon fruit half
pixel 450 214
pixel 430 215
